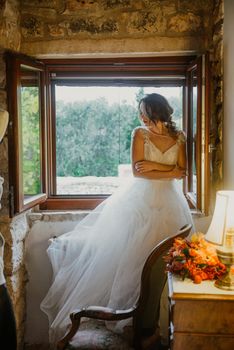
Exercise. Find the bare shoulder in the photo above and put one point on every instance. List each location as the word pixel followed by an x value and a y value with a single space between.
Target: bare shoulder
pixel 181 137
pixel 138 132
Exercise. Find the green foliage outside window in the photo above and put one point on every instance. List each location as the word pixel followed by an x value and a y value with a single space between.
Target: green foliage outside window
pixel 94 137
pixel 30 140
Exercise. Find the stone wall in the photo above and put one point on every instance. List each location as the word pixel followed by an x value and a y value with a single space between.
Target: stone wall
pixel 63 27
pixel 4 143
pixel 217 96
pixel 9 39
pixel 13 230
pixel 10 24
pixel 67 28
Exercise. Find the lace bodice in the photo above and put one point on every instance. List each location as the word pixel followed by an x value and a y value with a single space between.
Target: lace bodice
pixel 154 154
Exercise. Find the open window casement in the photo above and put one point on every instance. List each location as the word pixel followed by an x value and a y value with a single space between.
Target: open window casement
pixel 27 130
pixel 197 121
pixel 34 142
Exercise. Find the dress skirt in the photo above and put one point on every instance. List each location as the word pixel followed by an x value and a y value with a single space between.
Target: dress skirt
pixel 100 261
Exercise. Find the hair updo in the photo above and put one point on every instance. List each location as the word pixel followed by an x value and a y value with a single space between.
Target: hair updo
pixel 157 109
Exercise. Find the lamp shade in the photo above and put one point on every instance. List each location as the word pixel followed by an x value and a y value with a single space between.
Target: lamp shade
pixel 4 117
pixel 223 218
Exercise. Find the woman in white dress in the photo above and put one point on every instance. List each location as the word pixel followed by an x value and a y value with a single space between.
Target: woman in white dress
pixel 100 261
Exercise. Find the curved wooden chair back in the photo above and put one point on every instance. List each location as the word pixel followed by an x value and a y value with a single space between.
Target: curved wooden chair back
pixel 153 280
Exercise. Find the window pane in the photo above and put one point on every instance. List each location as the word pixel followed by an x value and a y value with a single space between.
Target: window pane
pixel 93 134
pixel 30 139
pixel 194 132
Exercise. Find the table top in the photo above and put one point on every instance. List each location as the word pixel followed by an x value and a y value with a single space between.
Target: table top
pixel 187 289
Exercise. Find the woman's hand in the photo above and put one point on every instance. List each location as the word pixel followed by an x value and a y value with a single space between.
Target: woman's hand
pixel 144 166
pixel 179 173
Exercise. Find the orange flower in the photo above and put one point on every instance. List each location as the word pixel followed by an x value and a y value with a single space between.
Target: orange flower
pixel 192 252
pixel 196 259
pixel 197 279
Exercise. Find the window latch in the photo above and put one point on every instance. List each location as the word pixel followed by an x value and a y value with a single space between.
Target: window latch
pixel 211 147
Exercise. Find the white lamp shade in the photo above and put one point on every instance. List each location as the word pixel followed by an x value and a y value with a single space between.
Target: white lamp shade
pixel 223 217
pixel 4 117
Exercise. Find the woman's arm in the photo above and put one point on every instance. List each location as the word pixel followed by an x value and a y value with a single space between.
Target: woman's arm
pixel 156 170
pixel 147 165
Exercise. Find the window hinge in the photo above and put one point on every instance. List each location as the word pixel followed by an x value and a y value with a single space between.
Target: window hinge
pixel 11 200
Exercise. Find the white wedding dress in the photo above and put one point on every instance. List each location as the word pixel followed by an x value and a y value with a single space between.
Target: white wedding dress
pixel 100 261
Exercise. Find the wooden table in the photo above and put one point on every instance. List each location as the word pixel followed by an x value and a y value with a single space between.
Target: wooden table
pixel 201 316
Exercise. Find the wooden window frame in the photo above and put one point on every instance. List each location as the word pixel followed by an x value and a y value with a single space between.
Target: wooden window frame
pixel 200 202
pixel 194 201
pixel 17 202
pixel 167 71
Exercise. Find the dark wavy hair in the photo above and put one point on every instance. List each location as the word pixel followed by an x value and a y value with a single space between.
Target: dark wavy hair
pixel 157 108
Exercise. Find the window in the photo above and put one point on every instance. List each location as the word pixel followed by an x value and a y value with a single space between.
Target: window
pixel 26 133
pixel 197 120
pixel 93 134
pixel 91 111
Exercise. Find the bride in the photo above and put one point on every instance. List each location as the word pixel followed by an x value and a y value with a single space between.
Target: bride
pixel 100 261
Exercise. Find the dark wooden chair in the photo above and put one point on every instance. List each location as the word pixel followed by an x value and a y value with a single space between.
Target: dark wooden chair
pixel 144 332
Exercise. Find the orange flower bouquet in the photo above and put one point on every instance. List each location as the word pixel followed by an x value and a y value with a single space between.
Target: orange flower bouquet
pixel 195 259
